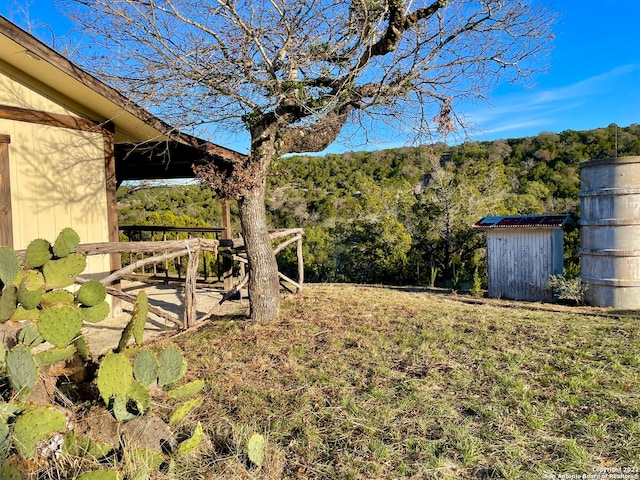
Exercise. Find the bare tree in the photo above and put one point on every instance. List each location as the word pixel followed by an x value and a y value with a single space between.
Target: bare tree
pixel 293 73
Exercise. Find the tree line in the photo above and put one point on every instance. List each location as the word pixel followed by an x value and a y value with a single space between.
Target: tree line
pixel 405 215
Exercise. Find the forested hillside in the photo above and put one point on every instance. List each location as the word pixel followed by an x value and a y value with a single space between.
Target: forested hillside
pixel 404 216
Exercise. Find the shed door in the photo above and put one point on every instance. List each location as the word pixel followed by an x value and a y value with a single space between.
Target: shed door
pixel 6 223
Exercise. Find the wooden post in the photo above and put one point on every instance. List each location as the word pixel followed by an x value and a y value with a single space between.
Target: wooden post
pixel 190 288
pixel 227 262
pixel 6 216
pixel 300 263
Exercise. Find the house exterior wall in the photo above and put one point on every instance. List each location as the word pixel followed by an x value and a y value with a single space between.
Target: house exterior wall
pixel 521 260
pixel 57 175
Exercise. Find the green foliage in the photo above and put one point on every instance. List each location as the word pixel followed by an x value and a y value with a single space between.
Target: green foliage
pixel 566 287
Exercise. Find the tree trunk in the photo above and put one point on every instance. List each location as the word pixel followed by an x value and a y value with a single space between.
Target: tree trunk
pixel 264 286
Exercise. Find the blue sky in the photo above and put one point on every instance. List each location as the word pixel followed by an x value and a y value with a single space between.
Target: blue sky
pixel 593 79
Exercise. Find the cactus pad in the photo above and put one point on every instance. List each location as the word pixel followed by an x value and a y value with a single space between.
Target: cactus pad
pixel 8 302
pixel 30 336
pixel 189 390
pixel 59 325
pixel 145 368
pixel 82 347
pixel 101 475
pixel 190 444
pixel 172 366
pixel 183 410
pixel 22 314
pixel 9 265
pixel 5 439
pixel 31 290
pixel 66 243
pixel 37 254
pixel 22 370
pixel 9 472
pixel 91 293
pixel 135 326
pixel 63 272
pixel 96 313
pixel 139 394
pixel 57 297
pixel 115 376
pixel 34 426
pixel 54 355
pixel 255 449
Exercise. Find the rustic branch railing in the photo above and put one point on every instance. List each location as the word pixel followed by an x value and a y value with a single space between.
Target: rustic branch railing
pixel 192 248
pixel 172 249
pixel 140 233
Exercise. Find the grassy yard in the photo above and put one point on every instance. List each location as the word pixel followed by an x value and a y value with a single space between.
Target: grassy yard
pixel 364 382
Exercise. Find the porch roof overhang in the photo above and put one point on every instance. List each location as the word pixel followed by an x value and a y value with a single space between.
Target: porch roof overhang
pixel 146 147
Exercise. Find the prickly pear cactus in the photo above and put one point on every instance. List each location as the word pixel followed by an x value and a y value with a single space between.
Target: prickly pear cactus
pixel 95 314
pixel 91 293
pixel 57 297
pixel 22 371
pixel 59 325
pixel 183 410
pixel 37 254
pixel 31 290
pixel 115 376
pixel 30 336
pixel 35 426
pixel 8 302
pixel 255 449
pixel 171 366
pixel 21 314
pixel 101 475
pixel 66 243
pixel 9 265
pixel 82 347
pixel 54 355
pixel 63 272
pixel 135 327
pixel 190 444
pixel 188 390
pixel 145 368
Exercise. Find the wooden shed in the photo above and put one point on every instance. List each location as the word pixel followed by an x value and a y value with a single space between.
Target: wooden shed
pixel 522 251
pixel 67 140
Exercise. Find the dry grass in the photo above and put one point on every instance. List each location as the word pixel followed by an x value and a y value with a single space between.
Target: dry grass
pixel 364 382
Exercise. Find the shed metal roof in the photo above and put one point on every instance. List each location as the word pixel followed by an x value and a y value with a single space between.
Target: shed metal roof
pixel 524 221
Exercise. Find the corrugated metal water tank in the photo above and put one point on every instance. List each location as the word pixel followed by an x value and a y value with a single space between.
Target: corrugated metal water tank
pixel 610 231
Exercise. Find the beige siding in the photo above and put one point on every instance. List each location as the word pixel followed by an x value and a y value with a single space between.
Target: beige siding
pixel 57 177
pixel 16 90
pixel 520 262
